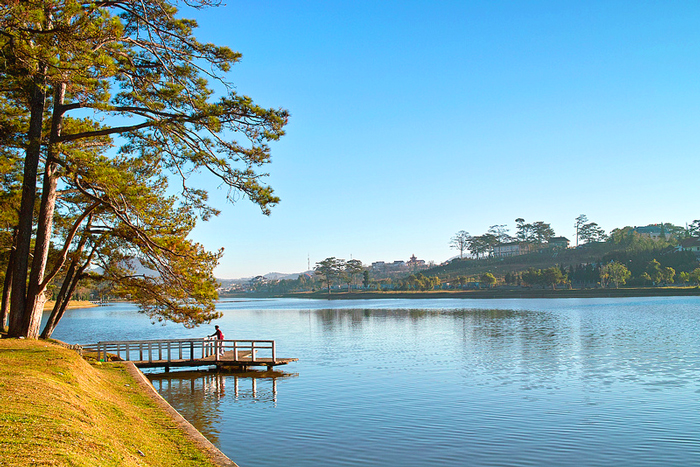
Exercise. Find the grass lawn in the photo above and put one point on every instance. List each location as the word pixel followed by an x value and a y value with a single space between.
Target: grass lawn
pixel 57 409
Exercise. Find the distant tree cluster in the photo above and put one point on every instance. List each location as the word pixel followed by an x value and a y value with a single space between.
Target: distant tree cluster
pixel 419 282
pixel 538 232
pixel 588 232
pixel 549 277
pixel 615 273
pixel 481 246
pixel 333 271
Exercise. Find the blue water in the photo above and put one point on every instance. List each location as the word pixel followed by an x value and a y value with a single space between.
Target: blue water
pixel 572 382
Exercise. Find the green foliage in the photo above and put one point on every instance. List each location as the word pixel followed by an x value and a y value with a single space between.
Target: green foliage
pixel 588 231
pixel 667 275
pixel 488 279
pixel 542 232
pixel 329 270
pixel 482 244
pixel 614 272
pixel 591 232
pixel 694 229
pixel 553 276
pixel 501 233
pixel 537 232
pixel 419 282
pixel 352 268
pixel 636 252
pixel 694 276
pixel 544 277
pixel 654 270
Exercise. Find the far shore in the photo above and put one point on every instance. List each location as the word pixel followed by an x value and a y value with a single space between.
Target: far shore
pixel 71 304
pixel 494 293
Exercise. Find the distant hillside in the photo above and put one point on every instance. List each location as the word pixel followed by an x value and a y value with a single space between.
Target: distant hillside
pixel 276 276
pixel 634 256
pixel 585 254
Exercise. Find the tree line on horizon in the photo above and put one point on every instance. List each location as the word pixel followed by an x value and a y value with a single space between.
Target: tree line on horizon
pixel 626 258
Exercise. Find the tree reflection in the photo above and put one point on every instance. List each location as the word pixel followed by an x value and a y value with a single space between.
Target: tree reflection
pixel 198 395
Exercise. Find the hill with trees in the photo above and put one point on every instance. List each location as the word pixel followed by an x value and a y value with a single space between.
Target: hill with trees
pixel 654 255
pixel 651 256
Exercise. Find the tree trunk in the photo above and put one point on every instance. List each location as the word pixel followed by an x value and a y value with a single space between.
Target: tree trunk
pixel 5 310
pixel 26 213
pixel 67 289
pixel 34 305
pixel 70 282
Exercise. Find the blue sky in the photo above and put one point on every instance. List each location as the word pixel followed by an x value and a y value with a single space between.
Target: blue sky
pixel 412 120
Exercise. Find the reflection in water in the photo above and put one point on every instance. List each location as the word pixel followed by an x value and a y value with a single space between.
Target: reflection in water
pixel 199 395
pixel 537 347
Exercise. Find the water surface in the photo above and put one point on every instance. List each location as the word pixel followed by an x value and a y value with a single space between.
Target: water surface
pixel 579 382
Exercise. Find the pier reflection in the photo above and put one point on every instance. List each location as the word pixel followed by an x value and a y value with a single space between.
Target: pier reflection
pixel 201 396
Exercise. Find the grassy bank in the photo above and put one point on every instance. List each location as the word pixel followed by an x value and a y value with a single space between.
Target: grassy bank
pixel 72 304
pixel 57 409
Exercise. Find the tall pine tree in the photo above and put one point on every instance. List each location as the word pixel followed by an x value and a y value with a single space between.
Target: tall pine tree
pixel 85 77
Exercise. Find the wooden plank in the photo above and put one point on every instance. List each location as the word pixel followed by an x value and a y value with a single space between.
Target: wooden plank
pixel 207 362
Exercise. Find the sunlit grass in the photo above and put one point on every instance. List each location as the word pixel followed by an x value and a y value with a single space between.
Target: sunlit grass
pixel 72 304
pixel 57 409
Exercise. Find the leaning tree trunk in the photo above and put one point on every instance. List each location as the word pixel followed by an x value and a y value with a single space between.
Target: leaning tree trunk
pixel 26 213
pixel 70 282
pixel 36 298
pixel 67 289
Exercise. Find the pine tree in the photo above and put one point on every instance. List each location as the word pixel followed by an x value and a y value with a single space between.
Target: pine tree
pixel 142 78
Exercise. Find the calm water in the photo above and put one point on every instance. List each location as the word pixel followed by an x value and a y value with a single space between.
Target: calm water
pixel 579 382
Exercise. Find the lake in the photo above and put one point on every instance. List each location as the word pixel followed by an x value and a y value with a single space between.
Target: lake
pixel 449 382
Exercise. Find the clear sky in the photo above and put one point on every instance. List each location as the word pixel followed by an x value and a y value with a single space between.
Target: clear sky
pixel 412 120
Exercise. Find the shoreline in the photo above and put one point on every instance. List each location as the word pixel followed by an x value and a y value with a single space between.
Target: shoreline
pixel 48 306
pixel 485 294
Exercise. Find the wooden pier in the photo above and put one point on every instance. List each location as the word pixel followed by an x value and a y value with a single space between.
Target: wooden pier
pixel 170 353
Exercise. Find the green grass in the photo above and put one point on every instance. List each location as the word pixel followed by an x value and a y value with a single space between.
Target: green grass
pixel 56 409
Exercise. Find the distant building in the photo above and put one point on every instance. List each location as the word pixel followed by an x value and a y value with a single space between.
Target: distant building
pixel 505 250
pixel 413 264
pixel 653 231
pixel 690 244
pixel 559 243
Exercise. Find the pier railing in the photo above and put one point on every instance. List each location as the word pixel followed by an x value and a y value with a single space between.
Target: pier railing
pixel 169 350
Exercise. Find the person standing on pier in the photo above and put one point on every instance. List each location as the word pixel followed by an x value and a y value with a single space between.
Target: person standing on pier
pixel 219 335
